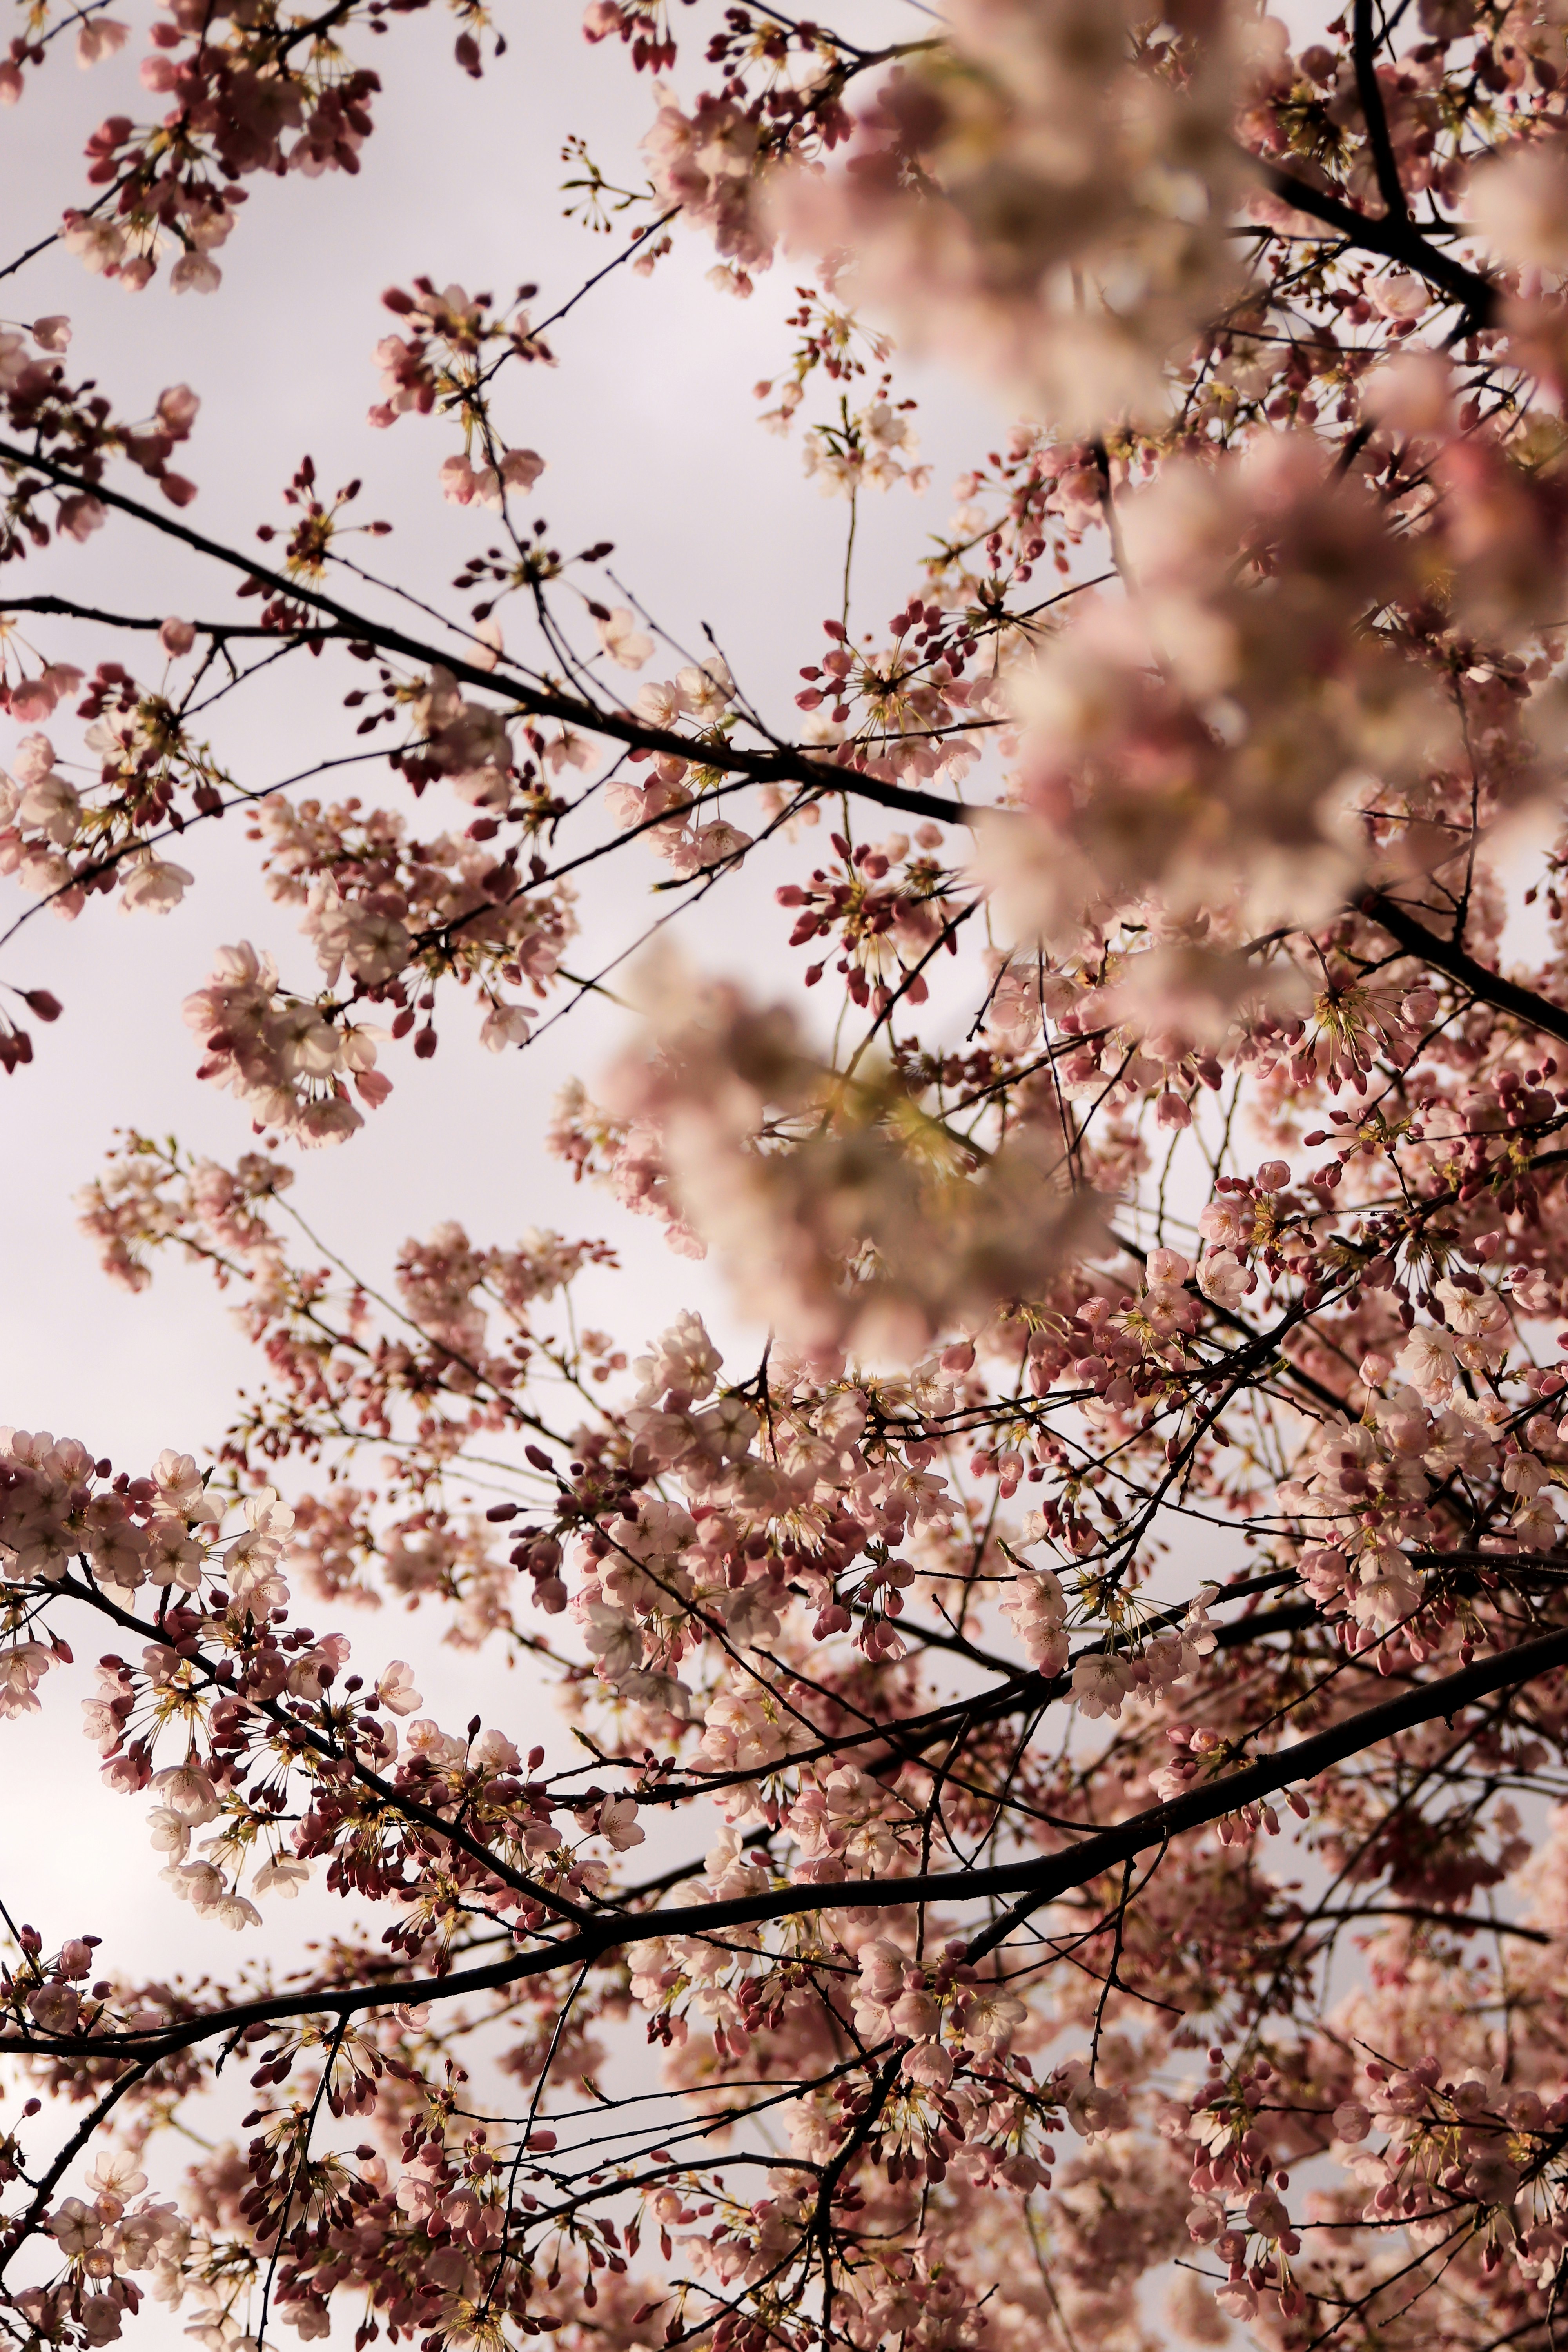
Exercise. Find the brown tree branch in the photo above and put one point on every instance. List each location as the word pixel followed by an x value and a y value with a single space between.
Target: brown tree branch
pixel 1396 240
pixel 783 766
pixel 18 2230
pixel 1447 955
pixel 1364 51
pixel 63 608
pixel 1424 1702
pixel 1042 1879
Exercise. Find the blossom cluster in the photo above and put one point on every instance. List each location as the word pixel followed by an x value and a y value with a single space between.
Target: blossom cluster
pixel 1100 1599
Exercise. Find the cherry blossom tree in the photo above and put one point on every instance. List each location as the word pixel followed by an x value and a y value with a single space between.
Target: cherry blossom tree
pixel 1097 1663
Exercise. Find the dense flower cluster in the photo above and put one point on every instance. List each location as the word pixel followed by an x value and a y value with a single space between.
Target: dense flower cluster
pixel 1032 1809
pixel 1075 171
pixel 281 1056
pixel 831 1235
pixel 390 916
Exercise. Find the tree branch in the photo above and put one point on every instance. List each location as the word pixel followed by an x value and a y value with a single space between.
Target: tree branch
pixel 783 766
pixel 65 609
pixel 1397 240
pixel 1042 1879
pixel 1363 50
pixel 1303 1761
pixel 18 2230
pixel 1447 955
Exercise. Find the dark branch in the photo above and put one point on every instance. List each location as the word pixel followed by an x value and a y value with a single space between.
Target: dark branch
pixel 1041 1879
pixel 65 609
pixel 1397 240
pixel 783 766
pixel 1536 1011
pixel 1363 49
